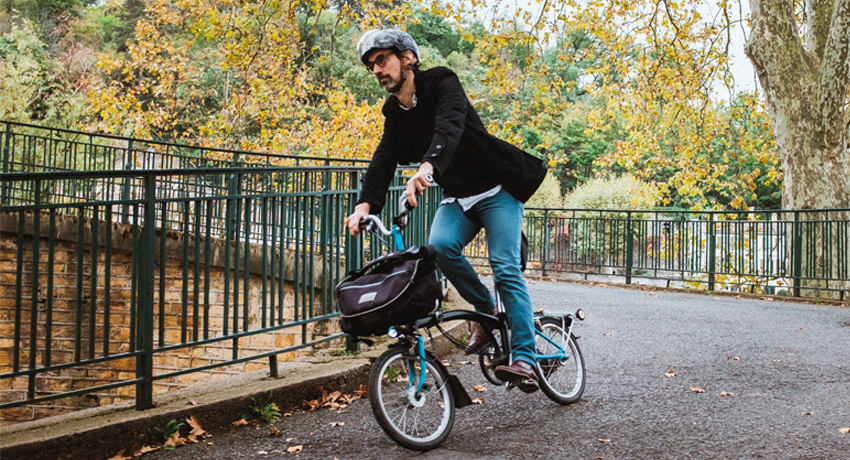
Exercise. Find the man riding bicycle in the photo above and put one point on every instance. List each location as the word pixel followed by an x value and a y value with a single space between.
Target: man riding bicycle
pixel 485 181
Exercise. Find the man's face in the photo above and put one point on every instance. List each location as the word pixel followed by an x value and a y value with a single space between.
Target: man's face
pixel 387 68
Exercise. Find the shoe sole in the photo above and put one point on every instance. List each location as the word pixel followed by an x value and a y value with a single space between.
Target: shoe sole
pixel 527 385
pixel 522 381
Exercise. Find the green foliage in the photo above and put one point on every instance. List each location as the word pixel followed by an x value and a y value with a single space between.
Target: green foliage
pixel 164 433
pixel 618 193
pixel 547 196
pixel 431 29
pixel 264 409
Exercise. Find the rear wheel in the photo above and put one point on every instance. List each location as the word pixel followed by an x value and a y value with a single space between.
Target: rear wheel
pixel 562 375
pixel 419 419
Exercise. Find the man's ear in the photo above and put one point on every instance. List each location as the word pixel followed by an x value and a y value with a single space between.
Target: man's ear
pixel 409 58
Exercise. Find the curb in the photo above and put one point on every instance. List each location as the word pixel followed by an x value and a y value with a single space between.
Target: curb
pixel 99 433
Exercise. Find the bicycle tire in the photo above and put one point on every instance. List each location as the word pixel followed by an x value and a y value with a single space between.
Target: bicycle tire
pixel 420 422
pixel 562 380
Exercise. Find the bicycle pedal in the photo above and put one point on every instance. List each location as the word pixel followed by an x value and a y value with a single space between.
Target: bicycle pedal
pixel 525 385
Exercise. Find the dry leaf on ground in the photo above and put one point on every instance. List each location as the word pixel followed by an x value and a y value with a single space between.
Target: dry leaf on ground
pixel 120 456
pixel 240 422
pixel 696 389
pixel 477 401
pixel 479 388
pixel 197 431
pixel 274 432
pixel 844 430
pixel 605 441
pixel 670 374
pixel 295 449
pixel 726 393
pixel 337 424
pixel 138 450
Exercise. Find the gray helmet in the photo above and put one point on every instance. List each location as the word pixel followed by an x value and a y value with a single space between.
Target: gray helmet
pixel 385 38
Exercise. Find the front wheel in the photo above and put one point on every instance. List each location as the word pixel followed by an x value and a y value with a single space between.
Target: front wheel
pixel 560 364
pixel 416 417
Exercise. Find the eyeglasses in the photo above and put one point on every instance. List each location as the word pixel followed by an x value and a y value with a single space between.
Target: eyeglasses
pixel 380 61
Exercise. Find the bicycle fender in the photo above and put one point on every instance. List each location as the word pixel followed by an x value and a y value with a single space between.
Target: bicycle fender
pixel 461 397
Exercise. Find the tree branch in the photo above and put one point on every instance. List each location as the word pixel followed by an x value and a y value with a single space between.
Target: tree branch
pixel 819 16
pixel 834 77
pixel 774 47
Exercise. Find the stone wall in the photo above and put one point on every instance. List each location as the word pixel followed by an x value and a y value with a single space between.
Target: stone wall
pixel 68 320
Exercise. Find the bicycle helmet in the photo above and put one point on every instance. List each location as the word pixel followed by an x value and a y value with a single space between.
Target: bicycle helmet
pixel 385 38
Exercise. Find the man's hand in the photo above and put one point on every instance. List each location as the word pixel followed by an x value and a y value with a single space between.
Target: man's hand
pixel 353 221
pixel 417 184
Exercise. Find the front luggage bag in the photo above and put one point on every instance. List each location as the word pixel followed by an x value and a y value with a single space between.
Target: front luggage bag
pixel 394 289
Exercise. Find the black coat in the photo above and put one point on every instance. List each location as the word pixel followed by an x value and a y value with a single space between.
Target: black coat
pixel 445 130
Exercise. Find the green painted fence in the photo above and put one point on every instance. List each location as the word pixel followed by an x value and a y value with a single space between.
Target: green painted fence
pixel 120 251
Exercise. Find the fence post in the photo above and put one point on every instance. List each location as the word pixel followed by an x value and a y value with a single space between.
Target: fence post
pixel 797 256
pixel 712 249
pixel 545 253
pixel 352 251
pixel 125 192
pixel 4 193
pixel 630 246
pixel 147 254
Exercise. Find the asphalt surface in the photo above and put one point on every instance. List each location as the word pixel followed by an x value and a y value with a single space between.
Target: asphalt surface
pixel 776 377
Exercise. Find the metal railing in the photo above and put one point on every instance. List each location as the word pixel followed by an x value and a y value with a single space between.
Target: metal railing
pixel 112 266
pixel 32 148
pixel 122 251
pixel 775 252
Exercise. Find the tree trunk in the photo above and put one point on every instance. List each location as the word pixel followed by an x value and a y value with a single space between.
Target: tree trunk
pixel 806 89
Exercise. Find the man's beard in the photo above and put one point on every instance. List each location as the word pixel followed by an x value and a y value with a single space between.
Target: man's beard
pixel 393 86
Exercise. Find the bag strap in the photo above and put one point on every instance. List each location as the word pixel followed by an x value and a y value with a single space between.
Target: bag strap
pixel 426 252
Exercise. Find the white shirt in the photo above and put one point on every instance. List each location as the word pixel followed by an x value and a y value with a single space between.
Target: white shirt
pixel 470 201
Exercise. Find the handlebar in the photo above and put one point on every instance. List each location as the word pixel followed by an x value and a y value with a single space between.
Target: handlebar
pixel 372 223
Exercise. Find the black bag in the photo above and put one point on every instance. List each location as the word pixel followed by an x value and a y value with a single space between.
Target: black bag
pixel 394 289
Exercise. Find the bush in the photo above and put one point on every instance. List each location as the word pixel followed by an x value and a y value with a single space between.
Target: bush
pixel 621 193
pixel 601 236
pixel 547 196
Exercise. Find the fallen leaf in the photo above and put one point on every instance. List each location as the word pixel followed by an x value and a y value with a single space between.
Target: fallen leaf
pixel 605 441
pixel 295 449
pixel 274 432
pixel 670 374
pixel 288 414
pixel 313 405
pixel 262 452
pixel 726 393
pixel 808 413
pixel 477 401
pixel 465 362
pixel 607 334
pixel 734 358
pixel 337 424
pixel 196 427
pixel 697 389
pixel 120 456
pixel 479 388
pixel 447 363
pixel 844 430
pixel 240 422
pixel 193 403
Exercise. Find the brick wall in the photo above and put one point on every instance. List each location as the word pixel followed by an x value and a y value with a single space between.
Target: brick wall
pixel 72 311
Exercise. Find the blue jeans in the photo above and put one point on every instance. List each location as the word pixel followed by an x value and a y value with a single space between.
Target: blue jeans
pixel 501 217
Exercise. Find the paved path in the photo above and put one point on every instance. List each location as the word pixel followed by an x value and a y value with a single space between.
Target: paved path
pixel 785 365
